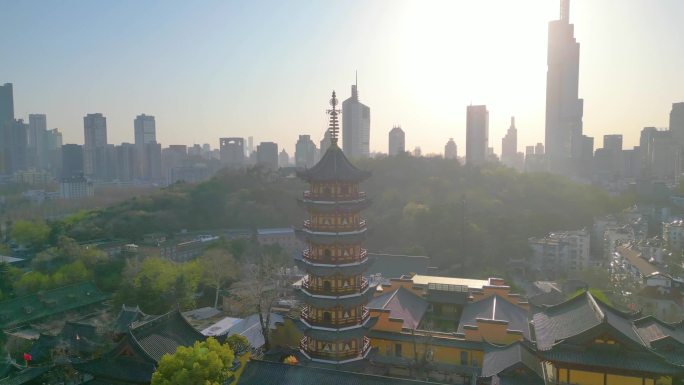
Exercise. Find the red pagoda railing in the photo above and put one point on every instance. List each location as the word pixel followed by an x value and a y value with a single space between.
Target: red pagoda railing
pixel 334 323
pixel 303 344
pixel 306 284
pixel 332 260
pixel 335 228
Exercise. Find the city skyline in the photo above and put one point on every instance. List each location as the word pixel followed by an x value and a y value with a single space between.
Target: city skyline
pixel 218 88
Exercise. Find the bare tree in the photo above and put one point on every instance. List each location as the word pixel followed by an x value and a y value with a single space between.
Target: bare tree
pixel 218 267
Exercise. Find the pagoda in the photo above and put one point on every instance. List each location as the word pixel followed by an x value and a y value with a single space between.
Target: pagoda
pixel 334 319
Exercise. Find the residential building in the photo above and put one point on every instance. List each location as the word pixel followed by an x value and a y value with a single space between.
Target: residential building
pixel 267 155
pixel 477 134
pixel 397 141
pixel 355 126
pixel 6 118
pixel 673 234
pixel 75 187
pixel 94 148
pixel 561 252
pixel 677 122
pixel 15 141
pixel 564 109
pixel 145 133
pixel 72 160
pixel 35 147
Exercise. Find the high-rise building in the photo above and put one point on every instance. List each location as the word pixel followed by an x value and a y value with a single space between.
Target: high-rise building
pixel 325 142
pixel 355 126
pixel 612 142
pixel 174 156
pixel 677 122
pixel 152 161
pixel 509 145
pixel 283 159
pixel 450 150
pixel 53 151
pixel 232 152
pixel 250 145
pixel 564 109
pixel 15 139
pixel 127 162
pixel 6 103
pixel 267 155
pixel 305 152
pixel 397 141
pixel 477 134
pixel 145 132
pixel 94 147
pixel 145 129
pixel 72 160
pixel 37 129
pixel 6 119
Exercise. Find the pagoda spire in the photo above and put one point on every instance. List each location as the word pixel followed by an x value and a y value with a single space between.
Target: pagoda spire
pixel 334 125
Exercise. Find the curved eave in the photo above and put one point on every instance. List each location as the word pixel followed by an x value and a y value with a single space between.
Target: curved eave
pixel 355 177
pixel 325 238
pixel 335 206
pixel 323 270
pixel 329 302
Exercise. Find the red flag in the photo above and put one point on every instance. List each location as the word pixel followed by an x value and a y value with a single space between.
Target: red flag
pixel 27 357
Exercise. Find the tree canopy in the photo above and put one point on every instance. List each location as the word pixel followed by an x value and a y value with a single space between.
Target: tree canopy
pixel 204 363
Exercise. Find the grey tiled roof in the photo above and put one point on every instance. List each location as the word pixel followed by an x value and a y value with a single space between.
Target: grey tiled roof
pixel 274 373
pixel 25 376
pixel 402 304
pixel 394 266
pixel 495 308
pixel 334 166
pixel 498 359
pixel 578 315
pixel 164 334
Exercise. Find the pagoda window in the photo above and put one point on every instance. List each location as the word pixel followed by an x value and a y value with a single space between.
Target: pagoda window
pixel 327 253
pixel 327 316
pixel 327 191
pixel 345 190
pixel 327 286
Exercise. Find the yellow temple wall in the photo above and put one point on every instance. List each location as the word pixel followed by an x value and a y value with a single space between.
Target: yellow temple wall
pixel 442 354
pixel 582 377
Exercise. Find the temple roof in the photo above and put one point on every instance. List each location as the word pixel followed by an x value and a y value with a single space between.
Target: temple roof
pixel 274 373
pixel 126 317
pixel 26 375
pixel 164 334
pixel 333 167
pixel 495 308
pixel 577 316
pixel 43 304
pixel 499 360
pixel 402 304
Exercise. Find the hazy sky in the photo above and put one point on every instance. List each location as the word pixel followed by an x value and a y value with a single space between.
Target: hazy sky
pixel 266 69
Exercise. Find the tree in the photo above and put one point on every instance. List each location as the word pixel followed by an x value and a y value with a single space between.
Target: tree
pixel 30 234
pixel 238 343
pixel 204 363
pixel 218 266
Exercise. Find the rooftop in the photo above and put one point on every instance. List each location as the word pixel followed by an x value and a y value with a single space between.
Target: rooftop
pixel 424 280
pixel 334 166
pixel 634 258
pixel 402 304
pixel 497 309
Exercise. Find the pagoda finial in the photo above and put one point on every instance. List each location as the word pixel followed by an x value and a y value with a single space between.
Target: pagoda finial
pixel 334 126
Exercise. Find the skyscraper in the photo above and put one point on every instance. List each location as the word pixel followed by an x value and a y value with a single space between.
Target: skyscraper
pixel 145 131
pixel 450 150
pixel 477 134
pixel 564 110
pixel 267 155
pixel 283 159
pixel 355 126
pixel 6 118
pixel 305 152
pixel 37 130
pixel 677 122
pixel 6 103
pixel 509 145
pixel 95 144
pixel 232 151
pixel 397 141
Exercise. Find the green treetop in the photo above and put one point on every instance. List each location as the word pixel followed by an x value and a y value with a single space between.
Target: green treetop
pixel 204 363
